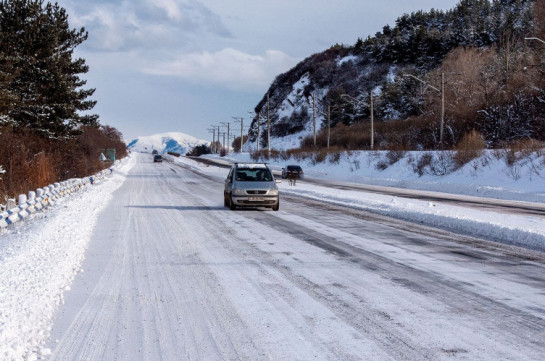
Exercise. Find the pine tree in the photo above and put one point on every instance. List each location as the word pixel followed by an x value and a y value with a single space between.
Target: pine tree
pixel 36 50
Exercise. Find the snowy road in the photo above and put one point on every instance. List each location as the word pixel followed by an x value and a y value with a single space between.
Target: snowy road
pixel 170 274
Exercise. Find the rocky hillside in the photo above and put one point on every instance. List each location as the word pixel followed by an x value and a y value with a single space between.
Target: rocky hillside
pixel 480 47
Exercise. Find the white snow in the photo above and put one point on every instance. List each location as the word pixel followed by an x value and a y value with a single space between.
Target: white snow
pixel 39 259
pixel 492 180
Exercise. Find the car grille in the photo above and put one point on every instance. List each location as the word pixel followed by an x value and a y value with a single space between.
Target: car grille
pixel 256 192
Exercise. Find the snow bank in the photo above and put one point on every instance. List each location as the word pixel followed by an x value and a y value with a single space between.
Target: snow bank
pixel 492 179
pixel 34 275
pixel 487 176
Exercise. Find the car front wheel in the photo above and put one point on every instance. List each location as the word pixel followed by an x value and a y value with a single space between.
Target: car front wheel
pixel 232 204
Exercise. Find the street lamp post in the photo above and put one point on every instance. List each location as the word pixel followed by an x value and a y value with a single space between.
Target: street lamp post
pixel 442 92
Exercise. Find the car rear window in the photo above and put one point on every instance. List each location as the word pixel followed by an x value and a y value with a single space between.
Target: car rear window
pixel 253 175
pixel 294 167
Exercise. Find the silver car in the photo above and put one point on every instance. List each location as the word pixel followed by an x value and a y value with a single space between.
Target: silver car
pixel 251 185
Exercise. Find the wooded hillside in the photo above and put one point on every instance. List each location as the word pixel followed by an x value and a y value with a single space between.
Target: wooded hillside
pixel 493 82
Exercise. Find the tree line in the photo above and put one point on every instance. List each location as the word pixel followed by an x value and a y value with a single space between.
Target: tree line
pixel 48 132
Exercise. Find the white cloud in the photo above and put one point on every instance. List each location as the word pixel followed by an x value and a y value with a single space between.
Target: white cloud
pixel 120 25
pixel 171 7
pixel 228 68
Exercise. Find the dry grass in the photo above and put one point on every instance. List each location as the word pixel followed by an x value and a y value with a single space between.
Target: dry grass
pixel 470 147
pixel 31 161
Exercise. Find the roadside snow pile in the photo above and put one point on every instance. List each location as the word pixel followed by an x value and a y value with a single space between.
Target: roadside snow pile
pixel 490 180
pixel 524 231
pixel 34 273
pixel 493 175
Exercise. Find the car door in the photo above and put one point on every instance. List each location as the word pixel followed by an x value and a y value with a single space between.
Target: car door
pixel 229 182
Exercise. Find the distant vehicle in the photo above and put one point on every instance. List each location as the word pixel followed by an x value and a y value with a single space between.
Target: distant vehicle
pixel 157 158
pixel 154 151
pixel 251 185
pixel 294 171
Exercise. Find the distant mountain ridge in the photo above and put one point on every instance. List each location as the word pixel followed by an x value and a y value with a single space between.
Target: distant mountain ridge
pixel 174 142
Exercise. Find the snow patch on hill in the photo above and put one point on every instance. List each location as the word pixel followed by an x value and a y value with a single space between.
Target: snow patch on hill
pixel 173 142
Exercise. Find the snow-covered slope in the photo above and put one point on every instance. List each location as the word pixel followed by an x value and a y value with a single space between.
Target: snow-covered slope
pixel 176 142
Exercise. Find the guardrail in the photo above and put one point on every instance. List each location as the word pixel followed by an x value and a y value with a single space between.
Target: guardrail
pixel 44 197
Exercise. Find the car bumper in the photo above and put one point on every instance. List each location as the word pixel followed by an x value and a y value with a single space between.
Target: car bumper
pixel 255 201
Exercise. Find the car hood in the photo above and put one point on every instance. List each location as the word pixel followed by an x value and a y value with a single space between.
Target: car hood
pixel 255 185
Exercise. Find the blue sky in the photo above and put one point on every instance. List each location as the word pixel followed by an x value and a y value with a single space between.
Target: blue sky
pixel 183 65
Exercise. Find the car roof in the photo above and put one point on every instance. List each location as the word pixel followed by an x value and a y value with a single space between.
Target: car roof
pixel 251 165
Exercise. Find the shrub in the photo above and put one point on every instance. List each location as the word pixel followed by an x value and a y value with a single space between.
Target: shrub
pixel 335 157
pixel 394 155
pixel 443 164
pixel 422 163
pixel 470 147
pixel 199 150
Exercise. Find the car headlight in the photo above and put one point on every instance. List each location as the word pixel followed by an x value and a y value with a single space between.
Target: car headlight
pixel 238 192
pixel 273 192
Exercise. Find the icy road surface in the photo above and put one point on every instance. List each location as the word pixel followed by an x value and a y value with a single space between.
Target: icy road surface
pixel 170 274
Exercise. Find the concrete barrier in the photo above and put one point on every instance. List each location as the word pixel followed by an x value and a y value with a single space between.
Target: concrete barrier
pixel 45 197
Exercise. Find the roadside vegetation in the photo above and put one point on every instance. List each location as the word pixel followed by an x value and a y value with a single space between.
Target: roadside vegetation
pixel 47 130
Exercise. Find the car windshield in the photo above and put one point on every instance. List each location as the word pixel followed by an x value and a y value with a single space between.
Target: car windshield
pixel 253 175
pixel 294 167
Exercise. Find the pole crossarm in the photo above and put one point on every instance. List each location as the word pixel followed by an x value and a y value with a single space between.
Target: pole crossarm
pixel 534 38
pixel 353 99
pixel 422 81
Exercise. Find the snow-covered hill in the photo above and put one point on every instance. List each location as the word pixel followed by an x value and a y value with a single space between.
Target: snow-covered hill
pixel 175 142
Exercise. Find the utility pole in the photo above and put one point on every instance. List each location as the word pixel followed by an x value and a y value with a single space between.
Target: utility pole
pixel 442 92
pixel 213 145
pixel 314 116
pixel 228 135
pixel 241 120
pixel 268 125
pixel 372 121
pixel 258 130
pixel 217 148
pixel 442 109
pixel 355 102
pixel 328 124
pixel 213 132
